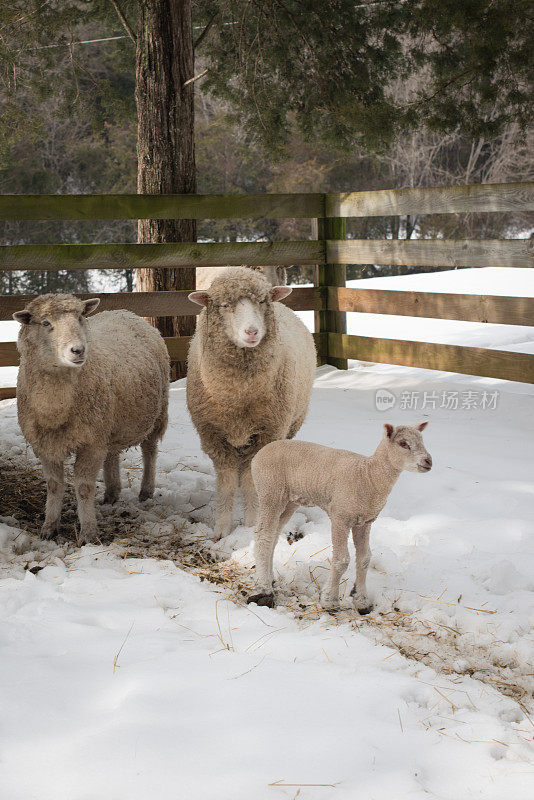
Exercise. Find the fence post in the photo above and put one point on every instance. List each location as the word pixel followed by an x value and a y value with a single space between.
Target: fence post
pixel 326 320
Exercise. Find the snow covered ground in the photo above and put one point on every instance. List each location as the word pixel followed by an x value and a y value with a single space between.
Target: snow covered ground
pixel 126 678
pixel 129 677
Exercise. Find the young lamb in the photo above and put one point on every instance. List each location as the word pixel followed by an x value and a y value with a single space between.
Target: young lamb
pixel 89 387
pixel 351 488
pixel 250 374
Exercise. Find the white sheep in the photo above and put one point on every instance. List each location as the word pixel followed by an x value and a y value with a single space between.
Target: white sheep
pixel 351 488
pixel 89 387
pixel 250 373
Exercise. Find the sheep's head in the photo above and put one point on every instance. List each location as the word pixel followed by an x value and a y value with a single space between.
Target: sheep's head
pixel 239 302
pixel 406 448
pixel 54 329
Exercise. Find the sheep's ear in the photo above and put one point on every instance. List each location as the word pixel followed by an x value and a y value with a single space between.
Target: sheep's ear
pixel 23 317
pixel 90 305
pixel 388 430
pixel 279 292
pixel 422 426
pixel 200 298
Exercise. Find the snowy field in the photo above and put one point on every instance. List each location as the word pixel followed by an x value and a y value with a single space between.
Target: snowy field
pixel 127 678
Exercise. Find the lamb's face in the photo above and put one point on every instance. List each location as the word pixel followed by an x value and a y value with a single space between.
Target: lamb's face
pixel 243 316
pixel 55 332
pixel 406 447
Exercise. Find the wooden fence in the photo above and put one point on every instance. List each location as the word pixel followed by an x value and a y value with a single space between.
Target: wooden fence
pixel 331 252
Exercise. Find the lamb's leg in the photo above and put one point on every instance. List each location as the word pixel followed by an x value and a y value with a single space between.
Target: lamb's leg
pixel 340 562
pixel 250 498
pixel 227 485
pixel 360 598
pixel 86 468
pixel 149 449
pixel 266 536
pixel 112 477
pixel 55 486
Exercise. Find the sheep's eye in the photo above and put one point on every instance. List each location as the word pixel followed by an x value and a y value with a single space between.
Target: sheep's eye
pixel 404 444
pixel 80 318
pixel 46 323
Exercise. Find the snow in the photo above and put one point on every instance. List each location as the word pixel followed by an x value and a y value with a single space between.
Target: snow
pixel 125 677
pixel 129 677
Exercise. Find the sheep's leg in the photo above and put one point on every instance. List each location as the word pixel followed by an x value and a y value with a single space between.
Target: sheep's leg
pixel 149 449
pixel 112 477
pixel 266 536
pixel 55 486
pixel 227 485
pixel 86 468
pixel 340 562
pixel 360 598
pixel 250 498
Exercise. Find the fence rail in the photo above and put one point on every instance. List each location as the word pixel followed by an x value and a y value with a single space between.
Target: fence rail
pixel 330 251
pixel 490 197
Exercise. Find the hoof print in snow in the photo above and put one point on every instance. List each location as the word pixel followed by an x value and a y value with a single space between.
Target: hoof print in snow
pixel 363 611
pixel 262 600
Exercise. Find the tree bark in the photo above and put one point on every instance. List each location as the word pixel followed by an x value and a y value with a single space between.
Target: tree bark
pixel 165 141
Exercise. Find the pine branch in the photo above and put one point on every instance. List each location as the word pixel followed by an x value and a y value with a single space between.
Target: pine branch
pixel 127 27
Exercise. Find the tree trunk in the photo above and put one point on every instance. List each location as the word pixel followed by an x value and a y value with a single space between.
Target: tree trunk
pixel 165 141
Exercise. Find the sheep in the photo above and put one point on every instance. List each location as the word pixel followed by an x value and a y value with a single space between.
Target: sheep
pixel 277 276
pixel 250 372
pixel 89 387
pixel 351 488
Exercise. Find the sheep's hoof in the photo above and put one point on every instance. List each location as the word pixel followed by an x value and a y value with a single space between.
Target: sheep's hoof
pixel 219 532
pixel 262 599
pixel 49 529
pixel 365 610
pixel 329 604
pixel 88 535
pixel 145 494
pixel 110 498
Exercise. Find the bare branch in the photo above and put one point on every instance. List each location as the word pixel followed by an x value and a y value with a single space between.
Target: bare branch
pixel 195 78
pixel 200 38
pixel 127 27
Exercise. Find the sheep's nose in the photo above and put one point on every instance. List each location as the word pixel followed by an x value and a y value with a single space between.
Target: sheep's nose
pixel 428 462
pixel 252 331
pixel 78 350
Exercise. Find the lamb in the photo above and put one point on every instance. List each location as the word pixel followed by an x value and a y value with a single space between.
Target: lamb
pixel 351 488
pixel 250 374
pixel 89 387
pixel 277 276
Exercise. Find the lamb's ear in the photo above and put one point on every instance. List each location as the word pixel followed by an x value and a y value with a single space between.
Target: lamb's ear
pixel 422 426
pixel 90 305
pixel 388 430
pixel 279 292
pixel 23 317
pixel 200 298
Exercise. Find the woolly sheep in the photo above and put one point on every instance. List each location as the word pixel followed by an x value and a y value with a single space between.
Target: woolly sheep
pixel 277 276
pixel 351 488
pixel 89 387
pixel 250 374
